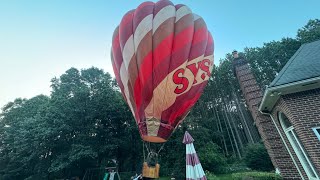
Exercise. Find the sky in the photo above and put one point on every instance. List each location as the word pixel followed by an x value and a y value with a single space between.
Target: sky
pixel 40 40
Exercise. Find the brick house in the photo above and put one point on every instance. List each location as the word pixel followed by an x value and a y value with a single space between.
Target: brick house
pixel 288 114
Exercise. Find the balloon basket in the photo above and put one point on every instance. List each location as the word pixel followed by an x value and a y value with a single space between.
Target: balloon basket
pixel 150 171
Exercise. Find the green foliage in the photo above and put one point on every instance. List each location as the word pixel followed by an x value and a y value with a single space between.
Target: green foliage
pixel 82 123
pixel 172 157
pixel 257 158
pixel 255 176
pixel 212 158
pixel 310 32
pixel 22 137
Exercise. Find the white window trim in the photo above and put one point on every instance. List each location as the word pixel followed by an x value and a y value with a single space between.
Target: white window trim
pixel 296 151
pixel 305 155
pixel 286 145
pixel 316 132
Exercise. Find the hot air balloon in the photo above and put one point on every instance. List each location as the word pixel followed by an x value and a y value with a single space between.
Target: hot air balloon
pixel 162 57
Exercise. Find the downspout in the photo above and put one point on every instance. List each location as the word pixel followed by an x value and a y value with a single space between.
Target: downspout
pixel 275 124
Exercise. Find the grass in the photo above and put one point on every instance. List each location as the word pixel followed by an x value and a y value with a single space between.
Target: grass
pixel 223 177
pixel 252 175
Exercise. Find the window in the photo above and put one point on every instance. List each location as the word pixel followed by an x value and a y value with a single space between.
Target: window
pixel 317 131
pixel 297 146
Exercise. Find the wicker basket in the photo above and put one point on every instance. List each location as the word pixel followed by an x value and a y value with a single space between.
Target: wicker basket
pixel 149 171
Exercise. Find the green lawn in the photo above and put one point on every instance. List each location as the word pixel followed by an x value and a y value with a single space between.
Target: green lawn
pixel 254 175
pixel 223 177
pixel 219 177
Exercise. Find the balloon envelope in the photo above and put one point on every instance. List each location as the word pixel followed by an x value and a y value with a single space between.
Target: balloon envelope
pixel 162 57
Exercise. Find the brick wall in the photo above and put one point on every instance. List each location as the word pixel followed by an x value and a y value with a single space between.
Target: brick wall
pixel 268 132
pixel 303 111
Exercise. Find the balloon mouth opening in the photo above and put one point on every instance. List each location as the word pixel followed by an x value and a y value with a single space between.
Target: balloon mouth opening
pixel 154 139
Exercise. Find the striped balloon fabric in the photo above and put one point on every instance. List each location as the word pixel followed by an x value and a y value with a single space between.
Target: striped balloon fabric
pixel 194 169
pixel 162 57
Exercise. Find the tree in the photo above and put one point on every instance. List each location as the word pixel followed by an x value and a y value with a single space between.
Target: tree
pixel 310 32
pixel 83 123
pixel 92 120
pixel 22 138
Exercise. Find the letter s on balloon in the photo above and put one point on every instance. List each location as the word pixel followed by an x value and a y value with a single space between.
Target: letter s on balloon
pixel 180 81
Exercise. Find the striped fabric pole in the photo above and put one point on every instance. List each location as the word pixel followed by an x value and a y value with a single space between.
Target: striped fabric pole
pixel 194 169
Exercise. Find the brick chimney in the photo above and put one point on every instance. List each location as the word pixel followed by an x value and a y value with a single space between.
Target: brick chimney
pixel 253 95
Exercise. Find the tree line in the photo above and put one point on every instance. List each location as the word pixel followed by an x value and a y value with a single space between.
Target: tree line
pixel 84 122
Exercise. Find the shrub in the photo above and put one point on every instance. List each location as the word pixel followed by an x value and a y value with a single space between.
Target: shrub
pixel 256 157
pixel 212 159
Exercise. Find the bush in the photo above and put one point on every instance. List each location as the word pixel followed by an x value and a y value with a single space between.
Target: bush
pixel 212 159
pixel 256 157
pixel 255 175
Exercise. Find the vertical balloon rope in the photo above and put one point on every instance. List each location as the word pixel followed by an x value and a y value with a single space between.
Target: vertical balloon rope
pixel 161 148
pixel 145 144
